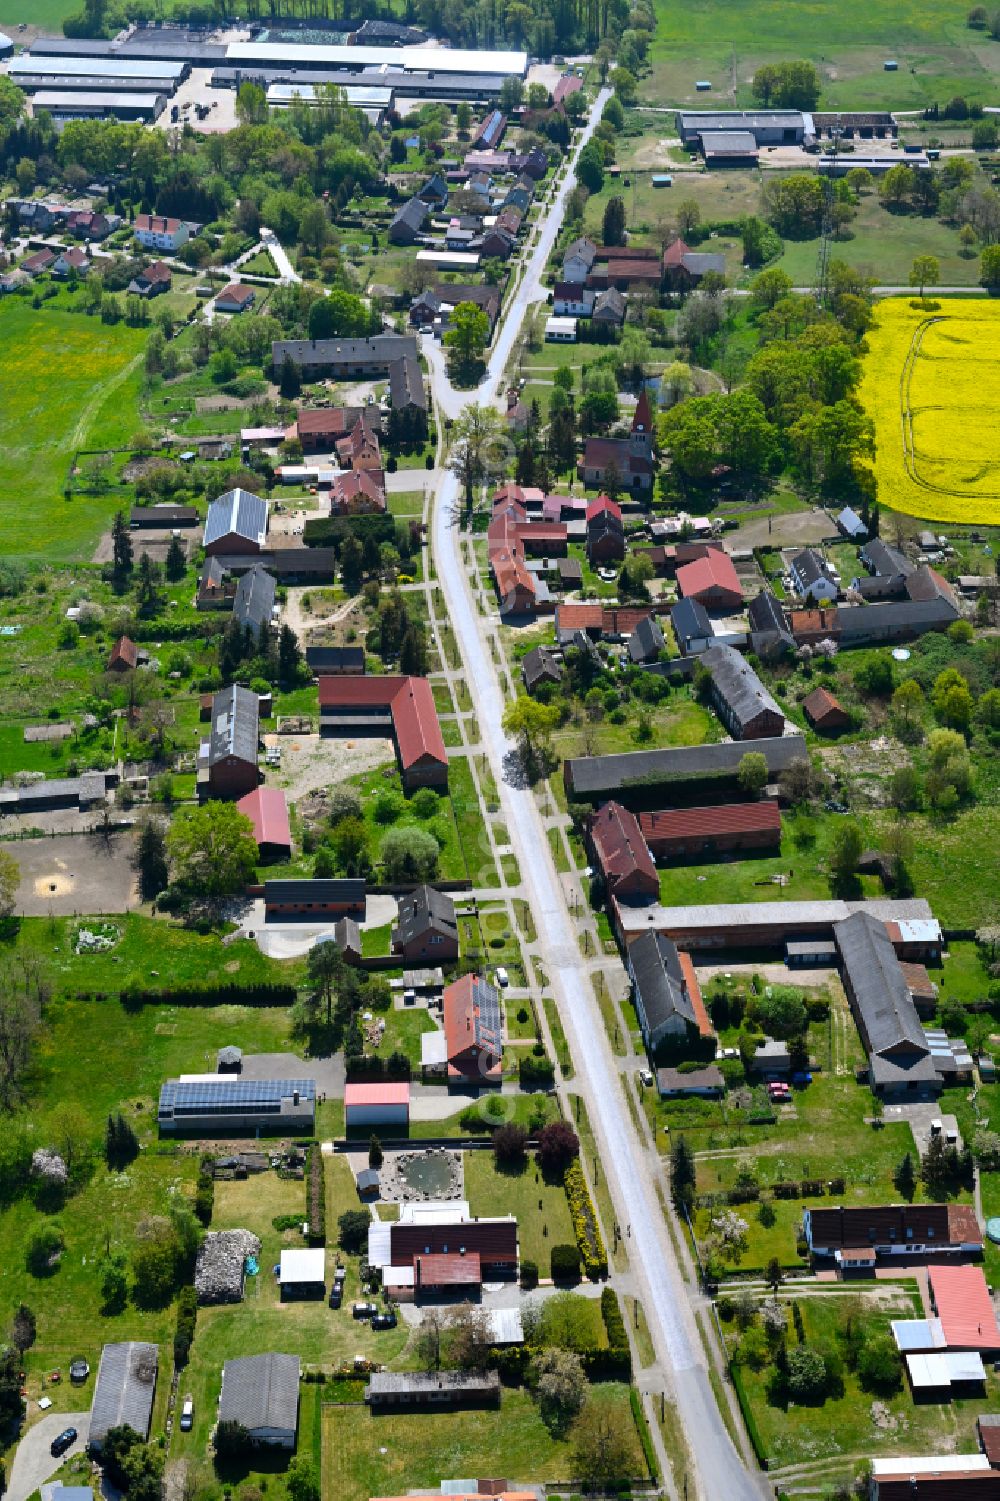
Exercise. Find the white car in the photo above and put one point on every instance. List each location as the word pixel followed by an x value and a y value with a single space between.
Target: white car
pixel 502 978
pixel 187 1415
pixel 646 1076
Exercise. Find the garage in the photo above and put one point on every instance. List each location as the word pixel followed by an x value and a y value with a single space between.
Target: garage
pixel 377 1105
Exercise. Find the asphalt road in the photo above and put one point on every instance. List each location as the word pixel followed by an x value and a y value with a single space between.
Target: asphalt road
pixel 720 1471
pixel 33 1463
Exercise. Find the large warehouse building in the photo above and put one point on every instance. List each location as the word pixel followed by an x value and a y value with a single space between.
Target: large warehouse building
pixel 100 106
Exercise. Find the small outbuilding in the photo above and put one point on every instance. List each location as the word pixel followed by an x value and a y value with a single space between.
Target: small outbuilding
pixel 385 1104
pixel 825 712
pixel 302 1274
pixel 229 1060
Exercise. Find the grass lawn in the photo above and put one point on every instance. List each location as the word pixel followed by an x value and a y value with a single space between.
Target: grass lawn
pixel 67 382
pixel 676 721
pixel 844 1425
pixel 385 1454
pixel 541 1209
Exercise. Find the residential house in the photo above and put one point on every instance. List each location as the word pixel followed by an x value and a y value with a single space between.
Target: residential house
pixel 769 632
pixel 236 298
pixel 473 1030
pixel 400 708
pixel 609 308
pixel 646 641
pixel 629 460
pixel 236 523
pixel 156 232
pixel 426 930
pixel 712 581
pixel 811 576
pixel 605 531
pixel 124 656
pixel 740 699
pixel 434 192
pixel 253 603
pixel 408 222
pixel 495 1241
pixel 936 1477
pixel 260 1393
pixel 320 429
pixel 357 492
pixel 578 260
pixel 499 242
pixel 124 1390
pixel 40 261
pixel 891 1232
pixel 215 586
pixel 572 299
pixel 618 849
pixel 691 626
pixel 825 712
pixel 342 359
pixel 899 1056
pixel 560 330
pixel 701 1083
pixel 666 996
pixel 156 278
pixel 685 834
pixel 71 262
pixel 268 812
pixel 85 224
pixel 540 666
pixel 227 760
pixel 568 84
pixel 683 268
pixel 435 1389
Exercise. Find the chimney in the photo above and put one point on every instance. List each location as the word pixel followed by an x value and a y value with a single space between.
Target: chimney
pixel 295 1097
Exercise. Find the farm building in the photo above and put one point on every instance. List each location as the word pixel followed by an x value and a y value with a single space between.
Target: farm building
pixel 222 1105
pixel 268 812
pixel 397 708
pixel 899 1058
pixel 641 776
pixel 227 760
pixel 619 851
pixel 738 696
pixel 961 1300
pixel 261 1394
pixel 435 1389
pixel 690 833
pixel 825 712
pixel 712 581
pixel 936 1477
pixel 386 1104
pixel 760 925
pixel 253 602
pixel 646 641
pixel 342 359
pixel 236 523
pixel 692 627
pixel 124 656
pixel 317 898
pixel 729 148
pixel 156 517
pixel 767 127
pixel 336 661
pixel 702 1083
pixel 124 1390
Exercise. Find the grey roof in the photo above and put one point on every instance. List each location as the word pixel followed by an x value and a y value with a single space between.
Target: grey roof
pixel 766 614
pixel 425 910
pixel 646 641
pixel 339 658
pixel 880 992
pixel 739 119
pixel 736 683
pixel 700 262
pixel 261 1392
pixel 229 1054
pixel 610 300
pixel 820 916
pixel 691 622
pixel 434 187
pixel 412 215
pixel 659 982
pixel 388 1384
pixel 850 522
pixel 237 512
pixel 381 350
pixel 345 889
pixel 406 384
pixel 235 725
pixel 540 666
pixel 212 1095
pixel 809 567
pixel 883 559
pixel 729 143
pixel 254 600
pixel 125 1388
pixel 709 1077
pixel 593 775
pixel 347 935
pixel 895 615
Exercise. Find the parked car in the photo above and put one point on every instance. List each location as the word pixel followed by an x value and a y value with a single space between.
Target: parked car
pixel 502 978
pixel 646 1076
pixel 62 1442
pixel 364 1310
pixel 336 1295
pixel 187 1414
pixel 384 1321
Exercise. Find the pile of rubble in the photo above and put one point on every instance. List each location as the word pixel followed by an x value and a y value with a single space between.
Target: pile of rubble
pixel 221 1265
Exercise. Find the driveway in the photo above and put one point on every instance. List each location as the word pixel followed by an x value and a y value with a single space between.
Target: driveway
pixel 290 940
pixel 328 1073
pixel 919 1114
pixel 33 1464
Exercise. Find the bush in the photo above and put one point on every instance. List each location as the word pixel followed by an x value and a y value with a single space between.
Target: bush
pixel 353 1228
pixel 588 1234
pixel 565 1262
pixel 316 1197
pixel 535 1073
pixel 187 1316
pixel 44 1250
pixel 558 1146
pixel 509 1143
pixel 529 1273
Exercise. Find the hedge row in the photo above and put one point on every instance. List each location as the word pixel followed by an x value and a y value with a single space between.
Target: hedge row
pixel 618 1345
pixel 369 1068
pixel 535 1073
pixel 642 1428
pixel 316 1197
pixel 204 1194
pixel 806 1188
pixel 187 1317
pixel 585 1226
pixel 753 1432
pixel 209 995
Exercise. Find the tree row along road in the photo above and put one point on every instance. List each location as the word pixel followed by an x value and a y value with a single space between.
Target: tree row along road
pixel 720 1473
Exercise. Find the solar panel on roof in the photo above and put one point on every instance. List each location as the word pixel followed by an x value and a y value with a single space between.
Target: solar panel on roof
pixel 231 1091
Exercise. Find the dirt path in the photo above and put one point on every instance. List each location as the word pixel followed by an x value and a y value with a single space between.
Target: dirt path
pixel 302 621
pixel 101 393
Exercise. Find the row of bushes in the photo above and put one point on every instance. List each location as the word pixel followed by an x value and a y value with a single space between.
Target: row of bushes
pixel 187 1317
pixel 585 1226
pixel 204 1193
pixel 316 1196
pixel 369 1068
pixel 209 995
pixel 642 1428
pixel 535 1073
pixel 749 1193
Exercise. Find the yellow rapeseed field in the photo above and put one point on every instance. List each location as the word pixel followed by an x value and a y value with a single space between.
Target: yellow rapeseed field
pixel 931 384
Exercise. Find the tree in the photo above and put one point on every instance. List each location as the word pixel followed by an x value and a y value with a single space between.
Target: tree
pixel 925 272
pixel 470 1337
pixel 289 657
pixel 878 1364
pixel 251 104
pixel 121 546
pixel 531 724
pixel 682 1173
pixel 466 339
pixel 10 880
pixel 688 214
pixel 806 1380
pixel 353 1231
pixel 325 972
pixel 409 854
pixel 908 709
pixel 342 315
pixel 989 267
pixel 603 1448
pixel 788 85
pixel 752 773
pixel 845 851
pixel 613 226
pixel 289 379
pixel 560 1386
pixel 558 1146
pixel 301 1481
pixel 23 1327
pixel 44 1250
pixel 773 1274
pixel 952 699
pixel 476 452
pixel 905 1178
pixel 768 287
pixel 121 1145
pixel 175 564
pixel 509 1144
pixel 430 1339
pixel 150 858
pixel 897 185
pixel 231 1439
pixel 590 166
pixel 24 993
pixel 212 853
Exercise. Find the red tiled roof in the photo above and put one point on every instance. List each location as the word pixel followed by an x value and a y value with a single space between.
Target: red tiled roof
pixel 631 267
pixel 809 622
pixel 452 1270
pixel 157 271
pixel 268 812
pixel 819 704
pixel 542 531
pixel 714 571
pixel 568 84
pixel 410 701
pixel 465 1031
pixel 124 651
pixel 376 1094
pixel 580 617
pixel 620 847
pixel 675 253
pixel 693 989
pixel 726 818
pixel 156 224
pixel 510 572
pixel 603 505
pixel 964 1306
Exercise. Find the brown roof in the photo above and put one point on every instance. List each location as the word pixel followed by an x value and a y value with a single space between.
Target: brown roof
pixel 237 291
pixel 810 622
pixel 967 1485
pixel 918 981
pixel 39 261
pixel 988 1424
pixel 620 848
pixel 324 422
pixel 821 705
pixel 124 653
pixel 155 272
pixel 448 1271
pixel 855 1227
pixel 410 702
pixel 494 1240
pixel 726 818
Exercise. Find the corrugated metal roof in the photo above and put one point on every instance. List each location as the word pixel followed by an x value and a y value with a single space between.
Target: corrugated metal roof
pixel 394 1093
pixel 964 1307
pixel 261 1392
pixel 125 1388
